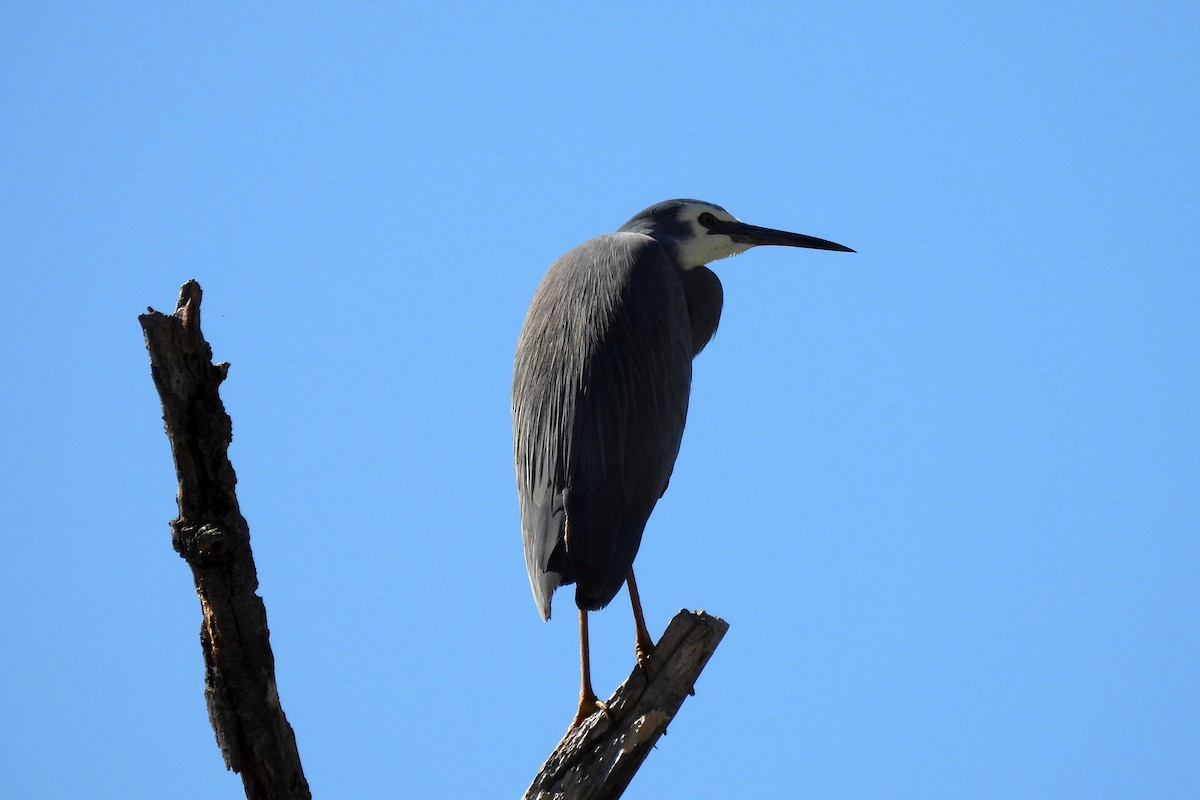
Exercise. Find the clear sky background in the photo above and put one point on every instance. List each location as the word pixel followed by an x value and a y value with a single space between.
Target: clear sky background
pixel 946 491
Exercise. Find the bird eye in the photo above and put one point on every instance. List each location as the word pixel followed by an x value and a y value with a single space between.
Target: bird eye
pixel 707 220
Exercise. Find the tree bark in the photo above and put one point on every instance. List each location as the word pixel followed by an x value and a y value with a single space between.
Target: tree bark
pixel 597 760
pixel 212 536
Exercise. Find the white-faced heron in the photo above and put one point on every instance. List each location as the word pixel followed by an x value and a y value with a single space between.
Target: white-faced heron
pixel 600 396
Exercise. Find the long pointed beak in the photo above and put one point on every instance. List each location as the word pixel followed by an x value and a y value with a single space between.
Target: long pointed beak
pixel 753 235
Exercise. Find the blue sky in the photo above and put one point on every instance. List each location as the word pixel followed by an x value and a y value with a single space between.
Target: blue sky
pixel 946 491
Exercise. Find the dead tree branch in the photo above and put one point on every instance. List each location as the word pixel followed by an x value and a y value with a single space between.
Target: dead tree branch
pixel 597 760
pixel 213 537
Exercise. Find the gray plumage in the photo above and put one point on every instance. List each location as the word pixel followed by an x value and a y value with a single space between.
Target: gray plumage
pixel 600 388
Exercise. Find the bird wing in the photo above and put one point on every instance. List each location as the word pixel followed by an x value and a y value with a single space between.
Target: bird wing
pixel 600 394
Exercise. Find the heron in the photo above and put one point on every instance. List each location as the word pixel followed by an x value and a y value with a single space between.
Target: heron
pixel 601 381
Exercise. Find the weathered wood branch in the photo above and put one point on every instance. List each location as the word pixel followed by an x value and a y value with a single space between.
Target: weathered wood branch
pixel 212 536
pixel 597 760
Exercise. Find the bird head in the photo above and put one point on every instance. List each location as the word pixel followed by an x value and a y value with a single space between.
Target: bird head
pixel 698 233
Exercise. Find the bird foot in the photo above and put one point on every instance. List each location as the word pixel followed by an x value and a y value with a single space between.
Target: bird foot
pixel 587 707
pixel 643 649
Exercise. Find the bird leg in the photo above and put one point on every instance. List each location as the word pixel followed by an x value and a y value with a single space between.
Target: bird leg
pixel 643 645
pixel 588 702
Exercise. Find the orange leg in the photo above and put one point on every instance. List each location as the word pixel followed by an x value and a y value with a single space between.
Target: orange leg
pixel 644 645
pixel 588 703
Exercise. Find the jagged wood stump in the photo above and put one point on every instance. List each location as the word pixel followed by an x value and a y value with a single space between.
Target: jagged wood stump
pixel 212 536
pixel 597 760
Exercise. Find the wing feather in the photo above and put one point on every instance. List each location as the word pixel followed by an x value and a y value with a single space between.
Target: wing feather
pixel 600 395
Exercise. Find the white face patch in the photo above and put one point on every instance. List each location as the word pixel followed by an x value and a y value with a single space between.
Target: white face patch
pixel 702 247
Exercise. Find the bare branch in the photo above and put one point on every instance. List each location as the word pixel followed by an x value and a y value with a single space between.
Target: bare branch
pixel 597 760
pixel 213 537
